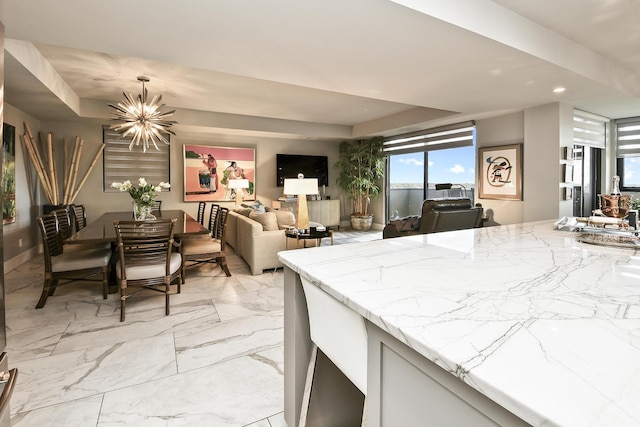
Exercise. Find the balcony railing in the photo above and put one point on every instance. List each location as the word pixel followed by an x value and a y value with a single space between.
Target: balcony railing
pixel 408 201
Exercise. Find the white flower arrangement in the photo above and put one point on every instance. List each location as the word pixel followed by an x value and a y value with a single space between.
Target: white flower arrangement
pixel 144 194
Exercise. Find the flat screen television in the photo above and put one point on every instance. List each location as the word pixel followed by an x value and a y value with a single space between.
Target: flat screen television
pixel 290 165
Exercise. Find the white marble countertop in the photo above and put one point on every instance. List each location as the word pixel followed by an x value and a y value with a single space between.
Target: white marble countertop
pixel 546 326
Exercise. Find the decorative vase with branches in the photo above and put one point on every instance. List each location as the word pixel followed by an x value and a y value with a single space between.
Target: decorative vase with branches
pixel 361 167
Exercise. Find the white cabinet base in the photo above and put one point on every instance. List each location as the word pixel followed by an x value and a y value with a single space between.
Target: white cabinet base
pixel 405 389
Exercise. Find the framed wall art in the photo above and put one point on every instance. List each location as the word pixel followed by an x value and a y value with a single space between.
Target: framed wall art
pixel 567 173
pixel 566 153
pixel 8 173
pixel 500 171
pixel 208 170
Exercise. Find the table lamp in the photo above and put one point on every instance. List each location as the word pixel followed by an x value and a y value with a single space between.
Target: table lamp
pixel 238 185
pixel 301 187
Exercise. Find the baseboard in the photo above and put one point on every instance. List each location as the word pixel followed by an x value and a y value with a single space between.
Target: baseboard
pixel 347 224
pixel 25 256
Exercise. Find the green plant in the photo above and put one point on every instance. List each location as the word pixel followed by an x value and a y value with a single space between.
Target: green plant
pixel 360 166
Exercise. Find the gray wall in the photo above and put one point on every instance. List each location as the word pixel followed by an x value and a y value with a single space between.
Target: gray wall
pixel 22 237
pixel 29 198
pixel 542 130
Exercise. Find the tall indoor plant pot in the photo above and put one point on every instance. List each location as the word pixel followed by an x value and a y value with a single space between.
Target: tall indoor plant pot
pixel 360 167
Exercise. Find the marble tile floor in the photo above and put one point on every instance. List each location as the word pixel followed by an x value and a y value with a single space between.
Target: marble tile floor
pixel 216 360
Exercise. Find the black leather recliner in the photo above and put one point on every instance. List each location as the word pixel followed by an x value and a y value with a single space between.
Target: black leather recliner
pixel 438 215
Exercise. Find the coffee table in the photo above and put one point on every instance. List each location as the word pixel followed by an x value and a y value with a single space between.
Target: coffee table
pixel 304 236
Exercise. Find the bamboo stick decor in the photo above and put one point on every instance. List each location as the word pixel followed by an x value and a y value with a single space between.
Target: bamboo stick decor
pixel 43 158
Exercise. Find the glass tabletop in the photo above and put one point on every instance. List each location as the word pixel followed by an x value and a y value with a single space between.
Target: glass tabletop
pixel 298 234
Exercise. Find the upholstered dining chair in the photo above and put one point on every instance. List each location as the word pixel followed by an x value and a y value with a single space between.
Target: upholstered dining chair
pixel 156 207
pixel 214 216
pixel 80 217
pixel 148 259
pixel 91 264
pixel 202 206
pixel 64 222
pixel 210 249
pixel 64 217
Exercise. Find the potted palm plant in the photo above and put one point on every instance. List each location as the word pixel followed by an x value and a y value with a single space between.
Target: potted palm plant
pixel 361 166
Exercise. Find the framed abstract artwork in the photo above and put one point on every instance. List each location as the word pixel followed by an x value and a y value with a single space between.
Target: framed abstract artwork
pixel 500 171
pixel 8 173
pixel 208 170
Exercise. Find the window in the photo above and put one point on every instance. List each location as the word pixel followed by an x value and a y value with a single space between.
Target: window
pixel 120 164
pixel 437 162
pixel 628 152
pixel 455 166
pixel 406 175
pixel 590 140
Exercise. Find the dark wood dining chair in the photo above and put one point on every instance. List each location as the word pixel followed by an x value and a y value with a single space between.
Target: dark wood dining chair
pixel 148 259
pixel 65 226
pixel 202 206
pixel 72 266
pixel 210 249
pixel 156 207
pixel 214 217
pixel 65 218
pixel 79 217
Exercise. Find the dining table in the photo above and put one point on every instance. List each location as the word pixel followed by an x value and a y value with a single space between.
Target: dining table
pixel 102 230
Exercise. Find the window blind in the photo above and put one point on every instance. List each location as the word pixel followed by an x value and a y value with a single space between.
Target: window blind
pixel 439 138
pixel 120 164
pixel 589 129
pixel 628 137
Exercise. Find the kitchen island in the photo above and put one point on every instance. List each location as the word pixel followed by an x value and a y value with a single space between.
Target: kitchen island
pixel 544 328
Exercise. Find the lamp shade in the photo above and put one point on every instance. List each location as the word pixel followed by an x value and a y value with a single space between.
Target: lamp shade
pixel 238 183
pixel 300 186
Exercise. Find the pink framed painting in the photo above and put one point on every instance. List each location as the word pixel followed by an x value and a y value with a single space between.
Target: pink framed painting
pixel 208 169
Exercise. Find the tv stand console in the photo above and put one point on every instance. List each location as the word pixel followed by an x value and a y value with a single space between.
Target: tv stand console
pixel 325 212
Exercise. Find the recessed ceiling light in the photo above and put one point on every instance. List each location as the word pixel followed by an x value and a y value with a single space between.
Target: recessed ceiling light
pixel 559 90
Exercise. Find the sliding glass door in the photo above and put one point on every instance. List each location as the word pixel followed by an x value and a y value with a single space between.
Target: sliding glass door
pixel 406 175
pixel 414 177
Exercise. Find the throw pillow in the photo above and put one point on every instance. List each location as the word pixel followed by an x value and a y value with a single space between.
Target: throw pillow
pixel 268 220
pixel 243 211
pixel 257 205
pixel 286 219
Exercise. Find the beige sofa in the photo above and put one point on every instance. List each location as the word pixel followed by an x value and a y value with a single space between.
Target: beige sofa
pixel 259 248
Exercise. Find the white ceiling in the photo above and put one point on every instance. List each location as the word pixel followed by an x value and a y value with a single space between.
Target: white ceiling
pixel 319 70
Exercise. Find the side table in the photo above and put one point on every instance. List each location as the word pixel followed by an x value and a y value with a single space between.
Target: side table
pixel 316 235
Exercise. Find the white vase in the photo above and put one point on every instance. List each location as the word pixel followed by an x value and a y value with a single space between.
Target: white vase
pixel 142 212
pixel 361 222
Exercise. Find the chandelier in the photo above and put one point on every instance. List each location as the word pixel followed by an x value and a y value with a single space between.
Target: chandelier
pixel 144 122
